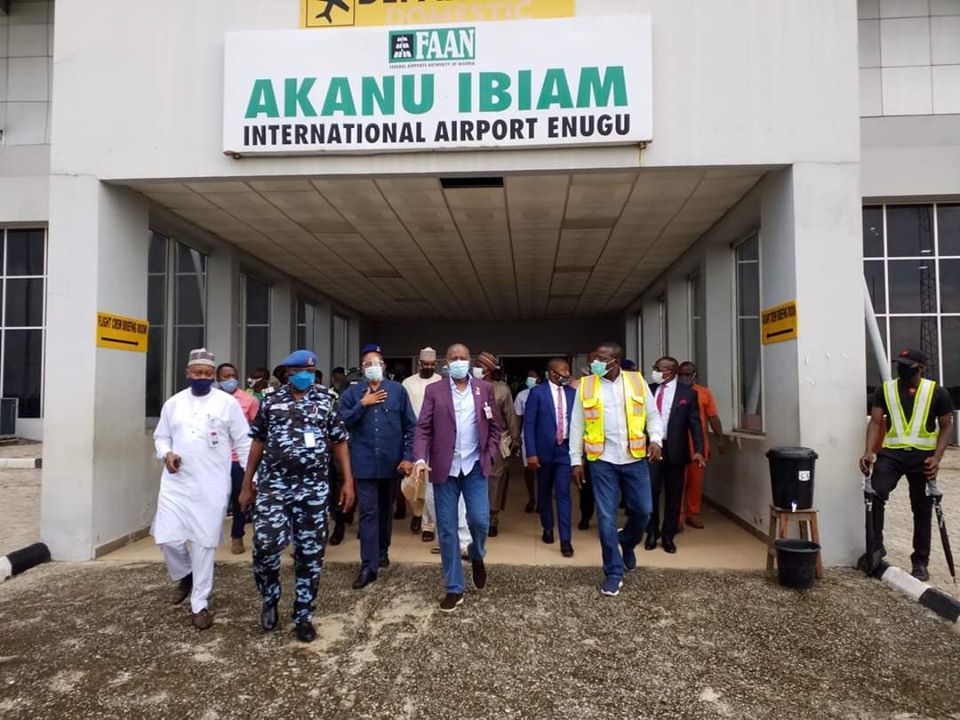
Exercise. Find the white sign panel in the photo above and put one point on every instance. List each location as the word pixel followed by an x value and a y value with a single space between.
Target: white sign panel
pixel 534 83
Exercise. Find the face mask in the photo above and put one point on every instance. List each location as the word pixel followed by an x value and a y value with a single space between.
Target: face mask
pixel 230 386
pixel 303 379
pixel 563 380
pixel 426 374
pixel 531 383
pixel 478 373
pixel 201 386
pixel 373 374
pixel 905 372
pixel 251 382
pixel 598 367
pixel 459 369
pixel 656 377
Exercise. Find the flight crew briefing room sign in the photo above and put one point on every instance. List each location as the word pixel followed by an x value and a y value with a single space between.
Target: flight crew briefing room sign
pixel 529 83
pixel 369 13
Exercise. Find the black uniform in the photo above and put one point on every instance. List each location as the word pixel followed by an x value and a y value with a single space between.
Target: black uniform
pixel 892 464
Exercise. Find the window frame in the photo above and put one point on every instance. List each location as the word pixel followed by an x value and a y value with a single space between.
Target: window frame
pixel 739 402
pixel 244 277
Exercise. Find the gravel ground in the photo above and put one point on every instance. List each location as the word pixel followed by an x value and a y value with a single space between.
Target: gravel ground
pixel 100 641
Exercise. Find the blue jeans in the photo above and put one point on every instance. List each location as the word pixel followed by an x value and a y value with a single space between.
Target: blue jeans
pixel 446 495
pixel 633 480
pixel 554 478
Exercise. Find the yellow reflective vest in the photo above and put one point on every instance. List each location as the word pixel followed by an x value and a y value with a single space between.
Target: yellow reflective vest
pixel 912 434
pixel 634 395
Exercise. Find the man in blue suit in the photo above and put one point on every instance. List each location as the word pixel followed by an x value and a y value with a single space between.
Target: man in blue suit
pixel 546 432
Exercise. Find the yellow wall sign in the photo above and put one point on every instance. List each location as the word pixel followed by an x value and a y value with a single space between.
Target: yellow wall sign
pixel 779 323
pixel 121 333
pixel 368 13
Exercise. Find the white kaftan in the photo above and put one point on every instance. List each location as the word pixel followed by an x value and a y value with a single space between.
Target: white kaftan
pixel 202 430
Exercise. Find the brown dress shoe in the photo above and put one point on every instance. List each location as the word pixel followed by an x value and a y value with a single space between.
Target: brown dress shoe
pixel 203 619
pixel 694 521
pixel 181 591
pixel 236 546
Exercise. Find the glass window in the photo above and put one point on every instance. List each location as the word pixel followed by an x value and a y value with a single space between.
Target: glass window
pixel 750 380
pixel 917 332
pixel 23 369
pixel 255 321
pixel 950 332
pixel 913 286
pixel 24 302
pixel 191 279
pixel 873 231
pixel 874 378
pixel 25 251
pixel 698 310
pixel 875 275
pixel 341 341
pixel 950 286
pixel 948 229
pixel 909 230
pixel 156 315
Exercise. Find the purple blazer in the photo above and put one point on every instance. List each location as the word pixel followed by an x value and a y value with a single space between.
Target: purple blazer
pixel 436 436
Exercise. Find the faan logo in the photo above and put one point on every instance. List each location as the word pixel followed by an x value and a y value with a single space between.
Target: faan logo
pixel 433 45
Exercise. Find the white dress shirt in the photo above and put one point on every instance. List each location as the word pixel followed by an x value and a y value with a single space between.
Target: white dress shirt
pixel 616 449
pixel 563 406
pixel 669 391
pixel 466 452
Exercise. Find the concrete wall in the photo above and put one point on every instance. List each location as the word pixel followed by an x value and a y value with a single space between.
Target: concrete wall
pixel 911 157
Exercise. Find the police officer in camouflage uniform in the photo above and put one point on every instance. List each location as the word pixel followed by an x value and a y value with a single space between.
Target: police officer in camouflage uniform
pixel 294 434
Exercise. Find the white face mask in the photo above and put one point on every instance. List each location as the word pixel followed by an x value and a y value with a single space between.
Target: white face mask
pixel 656 377
pixel 373 373
pixel 478 373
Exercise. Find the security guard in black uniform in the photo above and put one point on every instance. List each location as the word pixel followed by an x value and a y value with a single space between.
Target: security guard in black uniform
pixel 910 424
pixel 295 432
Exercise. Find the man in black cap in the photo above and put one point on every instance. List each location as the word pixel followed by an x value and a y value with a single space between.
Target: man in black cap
pixel 910 426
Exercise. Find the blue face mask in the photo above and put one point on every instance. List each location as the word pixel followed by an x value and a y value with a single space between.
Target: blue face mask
pixel 201 386
pixel 598 367
pixel 459 369
pixel 229 386
pixel 303 379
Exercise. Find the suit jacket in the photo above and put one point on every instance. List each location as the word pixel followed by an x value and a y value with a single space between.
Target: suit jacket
pixel 684 427
pixel 540 424
pixel 436 436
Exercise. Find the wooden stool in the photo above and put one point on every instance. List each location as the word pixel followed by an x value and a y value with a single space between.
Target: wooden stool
pixel 780 524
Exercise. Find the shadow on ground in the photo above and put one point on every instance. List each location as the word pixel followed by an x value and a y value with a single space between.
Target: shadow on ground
pixel 95 641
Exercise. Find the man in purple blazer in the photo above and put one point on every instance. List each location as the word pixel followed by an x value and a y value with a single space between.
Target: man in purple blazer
pixel 458 440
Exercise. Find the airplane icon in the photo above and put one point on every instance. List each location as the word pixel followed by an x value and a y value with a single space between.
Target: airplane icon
pixel 331 4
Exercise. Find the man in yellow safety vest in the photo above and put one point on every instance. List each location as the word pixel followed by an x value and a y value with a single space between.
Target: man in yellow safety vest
pixel 910 424
pixel 615 424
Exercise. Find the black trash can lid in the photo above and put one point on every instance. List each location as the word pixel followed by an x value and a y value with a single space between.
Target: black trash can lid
pixel 792 453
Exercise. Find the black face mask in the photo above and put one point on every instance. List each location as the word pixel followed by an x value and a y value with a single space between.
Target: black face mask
pixel 426 374
pixel 905 372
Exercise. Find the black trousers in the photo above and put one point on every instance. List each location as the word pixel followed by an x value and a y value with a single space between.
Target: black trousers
pixel 336 485
pixel 587 503
pixel 236 484
pixel 891 466
pixel 668 479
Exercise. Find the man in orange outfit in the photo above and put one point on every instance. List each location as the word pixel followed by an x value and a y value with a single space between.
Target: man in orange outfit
pixel 693 485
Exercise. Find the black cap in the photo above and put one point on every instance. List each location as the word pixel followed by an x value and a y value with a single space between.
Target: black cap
pixel 911 357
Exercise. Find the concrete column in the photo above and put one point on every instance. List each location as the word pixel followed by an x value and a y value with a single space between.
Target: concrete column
pixel 99 483
pixel 281 321
pixel 223 305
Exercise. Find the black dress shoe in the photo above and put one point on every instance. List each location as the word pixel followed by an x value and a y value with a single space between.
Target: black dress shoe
pixel 364 578
pixel 400 513
pixel 566 549
pixel 493 532
pixel 584 524
pixel 668 546
pixel 651 543
pixel 479 574
pixel 336 537
pixel 427 536
pixel 385 561
pixel 416 522
pixel 306 632
pixel 268 616
pixel 548 537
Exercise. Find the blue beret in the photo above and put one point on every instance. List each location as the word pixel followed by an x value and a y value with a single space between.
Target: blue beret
pixel 369 348
pixel 300 358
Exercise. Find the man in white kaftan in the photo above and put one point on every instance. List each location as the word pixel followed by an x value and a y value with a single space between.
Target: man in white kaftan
pixel 198 430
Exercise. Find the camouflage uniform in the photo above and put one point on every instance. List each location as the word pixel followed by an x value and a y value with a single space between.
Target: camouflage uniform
pixel 293 491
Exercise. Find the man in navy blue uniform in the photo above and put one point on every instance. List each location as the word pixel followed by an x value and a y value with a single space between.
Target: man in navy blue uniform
pixel 381 422
pixel 294 434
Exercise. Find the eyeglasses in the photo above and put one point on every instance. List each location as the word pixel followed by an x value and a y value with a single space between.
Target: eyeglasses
pixel 371 363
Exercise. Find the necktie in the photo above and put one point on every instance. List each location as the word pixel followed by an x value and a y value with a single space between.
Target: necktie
pixel 560 415
pixel 660 399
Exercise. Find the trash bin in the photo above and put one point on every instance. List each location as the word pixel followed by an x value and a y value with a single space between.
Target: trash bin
pixel 796 563
pixel 791 477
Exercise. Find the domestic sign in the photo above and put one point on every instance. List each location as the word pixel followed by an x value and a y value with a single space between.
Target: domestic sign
pixel 369 13
pixel 532 83
pixel 779 323
pixel 121 333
